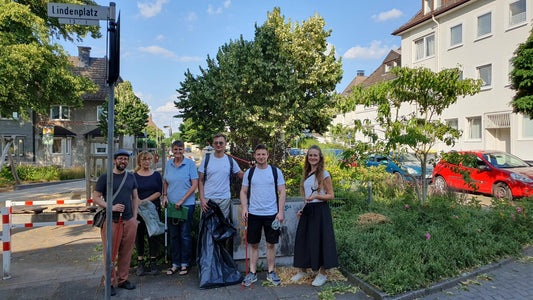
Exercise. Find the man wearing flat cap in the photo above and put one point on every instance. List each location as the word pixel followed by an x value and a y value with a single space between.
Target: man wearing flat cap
pixel 125 204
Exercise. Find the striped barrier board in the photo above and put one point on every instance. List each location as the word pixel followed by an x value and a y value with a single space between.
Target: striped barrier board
pixel 7 226
pixel 50 202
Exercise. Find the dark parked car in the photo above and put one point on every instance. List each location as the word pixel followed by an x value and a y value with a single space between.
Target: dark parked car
pixel 495 173
pixel 409 164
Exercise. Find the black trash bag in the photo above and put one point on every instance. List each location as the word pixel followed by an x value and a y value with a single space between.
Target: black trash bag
pixel 216 266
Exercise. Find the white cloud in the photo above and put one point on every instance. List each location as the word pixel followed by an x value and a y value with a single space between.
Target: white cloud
pixel 159 51
pixel 212 11
pixel 192 17
pixel 160 37
pixel 375 51
pixel 388 15
pixel 156 50
pixel 164 115
pixel 151 9
pixel 169 107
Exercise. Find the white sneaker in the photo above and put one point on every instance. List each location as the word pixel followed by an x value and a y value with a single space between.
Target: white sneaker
pixel 298 276
pixel 319 280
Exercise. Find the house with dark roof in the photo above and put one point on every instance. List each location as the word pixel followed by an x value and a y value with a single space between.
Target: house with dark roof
pixel 71 127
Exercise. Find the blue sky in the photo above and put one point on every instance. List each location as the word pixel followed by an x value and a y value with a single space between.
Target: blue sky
pixel 161 39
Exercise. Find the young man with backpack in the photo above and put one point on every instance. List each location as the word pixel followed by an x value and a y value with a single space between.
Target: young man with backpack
pixel 263 201
pixel 214 176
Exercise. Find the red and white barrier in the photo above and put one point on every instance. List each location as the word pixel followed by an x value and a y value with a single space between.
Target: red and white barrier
pixel 6 242
pixel 7 226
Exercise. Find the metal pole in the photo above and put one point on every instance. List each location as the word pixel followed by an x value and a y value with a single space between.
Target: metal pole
pixel 109 193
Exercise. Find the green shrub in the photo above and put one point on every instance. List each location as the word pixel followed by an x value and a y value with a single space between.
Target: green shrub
pixel 427 243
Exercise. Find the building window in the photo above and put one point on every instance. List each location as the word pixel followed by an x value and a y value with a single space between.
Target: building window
pixel 389 66
pixel 438 4
pixel 517 12
pixel 527 127
pixel 60 112
pixel 425 47
pixel 453 123
pixel 456 35
pixel 474 128
pixel 14 116
pixel 56 146
pixel 485 74
pixel 428 6
pixel 99 111
pixel 484 25
pixel 99 148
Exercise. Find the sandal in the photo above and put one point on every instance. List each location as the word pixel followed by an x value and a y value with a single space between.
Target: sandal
pixel 184 271
pixel 171 271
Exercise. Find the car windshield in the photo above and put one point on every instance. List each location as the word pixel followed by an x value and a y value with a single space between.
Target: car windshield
pixel 504 160
pixel 406 157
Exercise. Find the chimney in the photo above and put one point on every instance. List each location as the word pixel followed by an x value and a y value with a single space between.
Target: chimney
pixel 360 72
pixel 84 57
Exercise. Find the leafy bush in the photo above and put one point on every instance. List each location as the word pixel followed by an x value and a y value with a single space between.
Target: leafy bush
pixel 427 243
pixel 29 173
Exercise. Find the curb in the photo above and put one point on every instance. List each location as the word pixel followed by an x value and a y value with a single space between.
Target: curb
pixel 435 288
pixel 41 184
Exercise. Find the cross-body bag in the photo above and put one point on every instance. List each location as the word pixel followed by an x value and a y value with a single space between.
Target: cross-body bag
pixel 99 216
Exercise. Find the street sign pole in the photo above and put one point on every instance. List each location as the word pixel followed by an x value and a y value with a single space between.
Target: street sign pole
pixel 87 15
pixel 110 145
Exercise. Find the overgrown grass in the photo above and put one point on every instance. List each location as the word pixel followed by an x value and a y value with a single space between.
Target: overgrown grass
pixel 28 173
pixel 423 244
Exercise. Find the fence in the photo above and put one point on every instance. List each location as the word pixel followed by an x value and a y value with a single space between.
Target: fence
pixel 7 226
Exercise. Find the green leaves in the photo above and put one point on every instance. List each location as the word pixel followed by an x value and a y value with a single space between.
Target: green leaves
pixel 522 78
pixel 267 90
pixel 131 113
pixel 34 73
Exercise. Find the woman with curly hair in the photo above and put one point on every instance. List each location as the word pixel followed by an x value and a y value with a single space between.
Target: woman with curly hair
pixel 315 240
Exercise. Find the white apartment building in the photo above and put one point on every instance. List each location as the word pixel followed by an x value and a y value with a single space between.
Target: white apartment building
pixel 479 37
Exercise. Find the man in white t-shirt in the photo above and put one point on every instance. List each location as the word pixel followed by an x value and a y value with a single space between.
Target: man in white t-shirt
pixel 263 202
pixel 214 181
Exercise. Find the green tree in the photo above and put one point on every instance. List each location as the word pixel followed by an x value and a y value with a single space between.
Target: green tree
pixel 34 73
pixel 419 129
pixel 131 113
pixel 522 78
pixel 267 90
pixel 67 32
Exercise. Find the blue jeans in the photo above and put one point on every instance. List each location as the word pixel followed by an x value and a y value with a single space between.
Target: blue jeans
pixel 181 239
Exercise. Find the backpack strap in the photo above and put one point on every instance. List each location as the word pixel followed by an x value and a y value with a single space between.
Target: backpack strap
pixel 250 174
pixel 274 173
pixel 207 156
pixel 230 159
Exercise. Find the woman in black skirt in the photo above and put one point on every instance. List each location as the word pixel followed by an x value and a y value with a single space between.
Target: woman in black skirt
pixel 315 240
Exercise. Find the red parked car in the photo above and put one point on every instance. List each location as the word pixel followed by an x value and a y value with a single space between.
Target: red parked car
pixel 491 172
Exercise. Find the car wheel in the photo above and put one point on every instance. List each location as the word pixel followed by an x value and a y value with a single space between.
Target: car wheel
pixel 440 184
pixel 502 191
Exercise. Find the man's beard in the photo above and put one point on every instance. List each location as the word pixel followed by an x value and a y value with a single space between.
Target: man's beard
pixel 121 167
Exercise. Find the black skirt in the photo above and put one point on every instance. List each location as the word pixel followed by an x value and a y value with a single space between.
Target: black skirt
pixel 315 239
